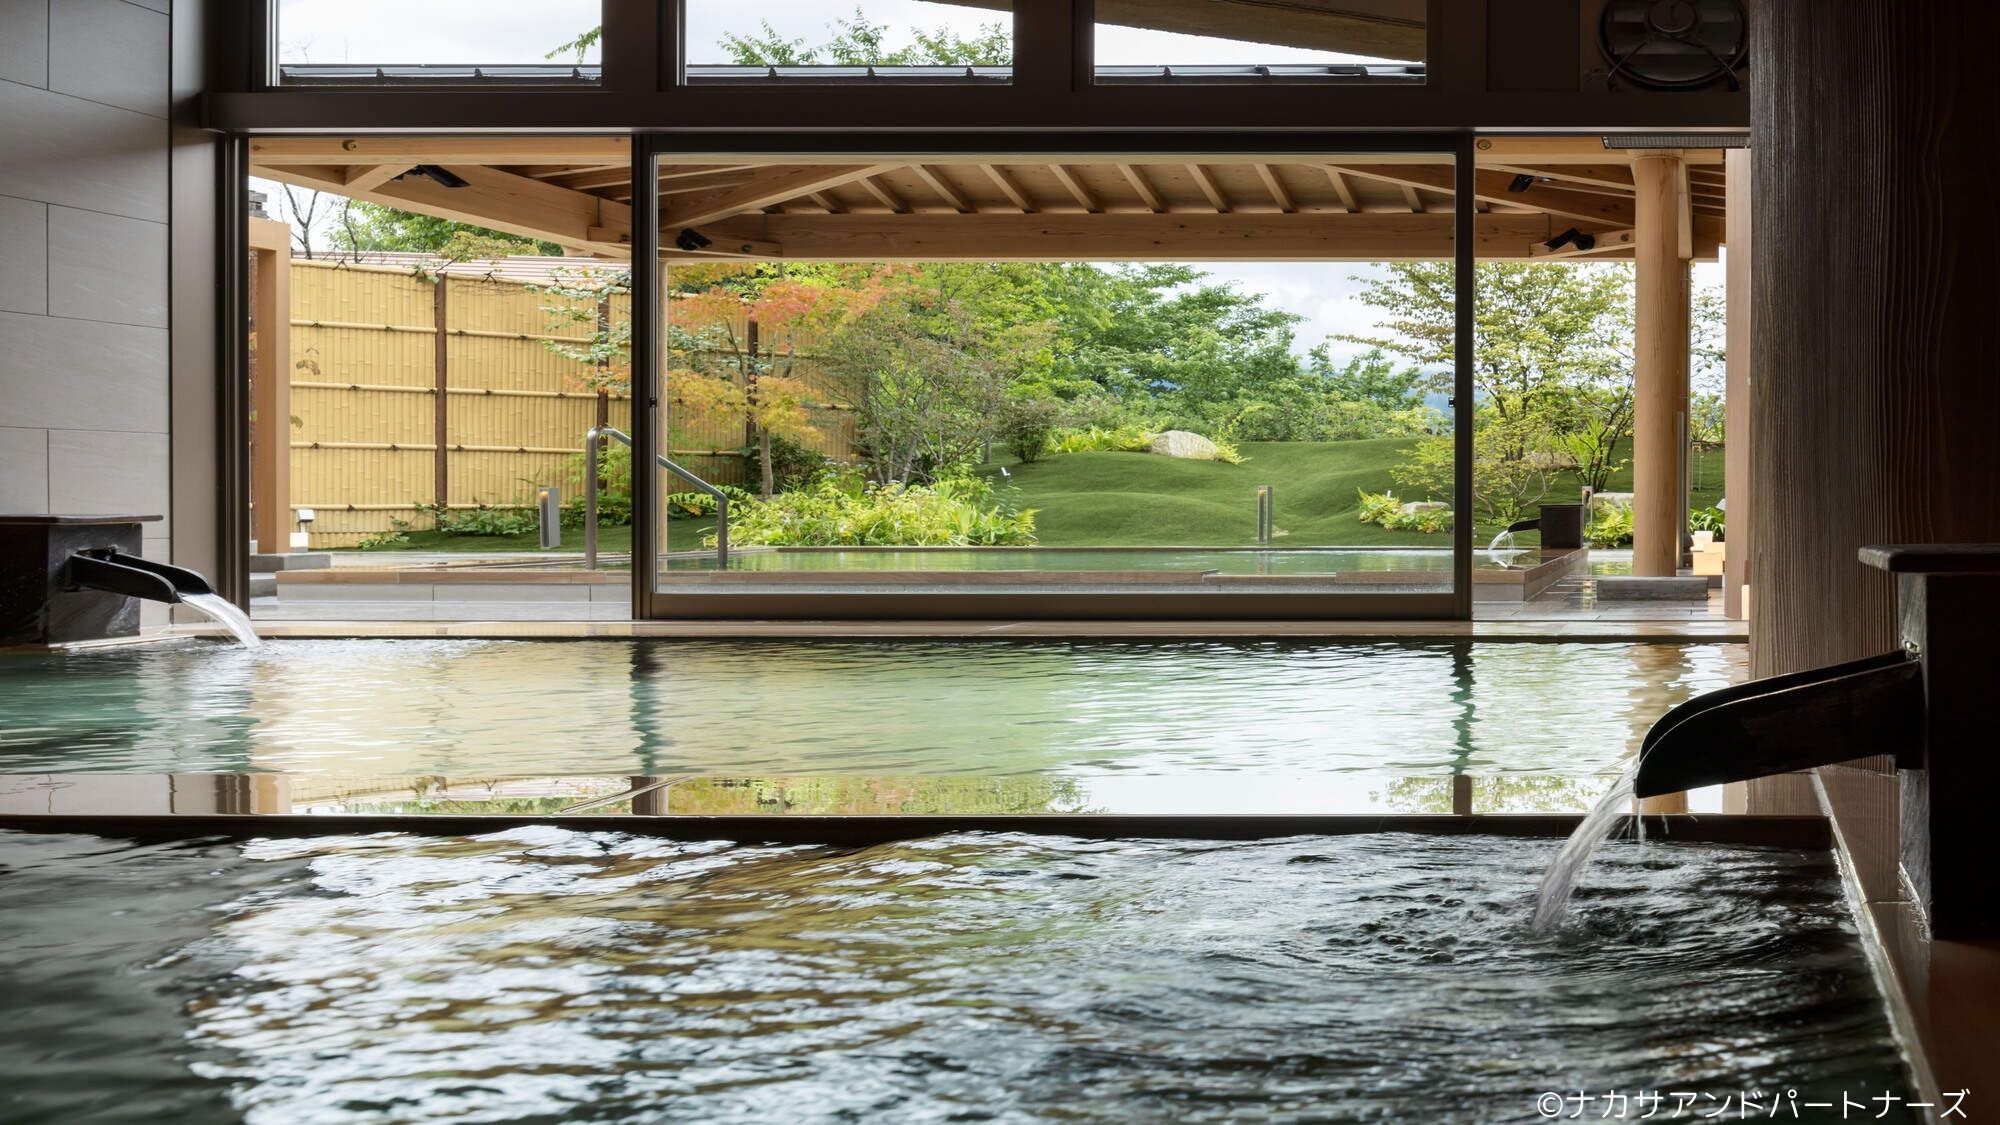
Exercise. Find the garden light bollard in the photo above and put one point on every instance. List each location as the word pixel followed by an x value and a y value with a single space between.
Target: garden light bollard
pixel 548 504
pixel 1265 515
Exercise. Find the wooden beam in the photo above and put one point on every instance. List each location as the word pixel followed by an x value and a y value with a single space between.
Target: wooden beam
pixel 1492 185
pixel 828 202
pixel 936 181
pixel 1584 149
pixel 368 177
pixel 1142 186
pixel 469 149
pixel 1609 243
pixel 491 198
pixel 1323 236
pixel 1276 187
pixel 772 185
pixel 1413 200
pixel 1077 191
pixel 1009 188
pixel 1614 177
pixel 1210 188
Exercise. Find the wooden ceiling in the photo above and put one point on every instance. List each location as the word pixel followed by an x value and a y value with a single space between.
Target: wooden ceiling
pixel 577 193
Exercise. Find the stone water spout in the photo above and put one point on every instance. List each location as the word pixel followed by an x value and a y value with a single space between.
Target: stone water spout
pixel 1929 705
pixel 78 578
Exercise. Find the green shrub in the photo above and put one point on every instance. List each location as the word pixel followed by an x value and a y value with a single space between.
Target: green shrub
pixel 1127 438
pixel 398 535
pixel 1610 526
pixel 952 513
pixel 486 520
pixel 1028 423
pixel 793 466
pixel 697 505
pixel 1707 519
pixel 1383 509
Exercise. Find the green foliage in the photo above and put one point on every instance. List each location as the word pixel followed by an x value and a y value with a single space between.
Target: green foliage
pixel 701 505
pixel 1554 351
pixel 484 519
pixel 1708 519
pixel 793 465
pixel 1029 421
pixel 1096 439
pixel 1610 526
pixel 858 42
pixel 362 225
pixel 397 536
pixel 951 513
pixel 1384 510
pixel 1515 463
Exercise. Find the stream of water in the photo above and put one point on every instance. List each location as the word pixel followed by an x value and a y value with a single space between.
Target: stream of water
pixel 1559 882
pixel 226 614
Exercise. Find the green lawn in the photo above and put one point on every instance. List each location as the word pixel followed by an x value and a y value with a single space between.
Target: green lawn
pixel 1140 499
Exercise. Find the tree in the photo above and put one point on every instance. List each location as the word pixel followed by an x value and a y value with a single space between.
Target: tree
pixel 717 372
pixel 858 42
pixel 372 226
pixel 928 375
pixel 1554 353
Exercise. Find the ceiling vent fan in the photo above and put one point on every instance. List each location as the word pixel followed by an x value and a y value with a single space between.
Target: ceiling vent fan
pixel 1673 44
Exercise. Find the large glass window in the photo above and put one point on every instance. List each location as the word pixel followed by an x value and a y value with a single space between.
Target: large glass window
pixel 1037 386
pixel 875 40
pixel 1249 40
pixel 346 41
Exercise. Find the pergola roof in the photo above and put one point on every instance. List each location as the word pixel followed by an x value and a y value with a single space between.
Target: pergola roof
pixel 576 192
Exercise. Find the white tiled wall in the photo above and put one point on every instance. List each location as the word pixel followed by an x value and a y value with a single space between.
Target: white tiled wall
pixel 84 88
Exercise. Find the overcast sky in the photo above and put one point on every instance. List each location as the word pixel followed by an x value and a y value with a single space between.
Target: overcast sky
pixel 520 31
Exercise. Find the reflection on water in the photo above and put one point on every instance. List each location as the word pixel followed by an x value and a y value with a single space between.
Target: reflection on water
pixel 1114 715
pixel 547 974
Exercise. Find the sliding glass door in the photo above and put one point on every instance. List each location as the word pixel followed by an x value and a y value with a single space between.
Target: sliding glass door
pixel 1219 379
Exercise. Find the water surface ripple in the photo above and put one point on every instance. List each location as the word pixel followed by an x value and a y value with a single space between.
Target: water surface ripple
pixel 543 974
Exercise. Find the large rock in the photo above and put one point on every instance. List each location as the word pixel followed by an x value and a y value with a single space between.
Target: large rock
pixel 1185 445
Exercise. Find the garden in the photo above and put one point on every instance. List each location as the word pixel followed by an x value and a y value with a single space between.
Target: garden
pixel 1075 404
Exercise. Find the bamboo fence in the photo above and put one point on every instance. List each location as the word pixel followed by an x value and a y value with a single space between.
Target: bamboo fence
pixel 412 388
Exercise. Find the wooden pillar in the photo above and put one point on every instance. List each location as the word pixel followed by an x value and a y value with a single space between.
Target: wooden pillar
pixel 1660 367
pixel 271 387
pixel 1873 405
pixel 1737 541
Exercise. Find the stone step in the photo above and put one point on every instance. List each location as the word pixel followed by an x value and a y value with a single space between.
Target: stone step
pixel 1626 588
pixel 263 585
pixel 296 560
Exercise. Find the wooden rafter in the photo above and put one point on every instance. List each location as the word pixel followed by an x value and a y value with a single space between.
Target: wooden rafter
pixel 1276 187
pixel 883 195
pixel 1205 180
pixel 775 184
pixel 1009 188
pixel 1076 189
pixel 1342 189
pixel 1148 195
pixel 936 180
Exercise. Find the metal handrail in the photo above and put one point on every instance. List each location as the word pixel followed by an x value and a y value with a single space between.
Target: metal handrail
pixel 592 444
